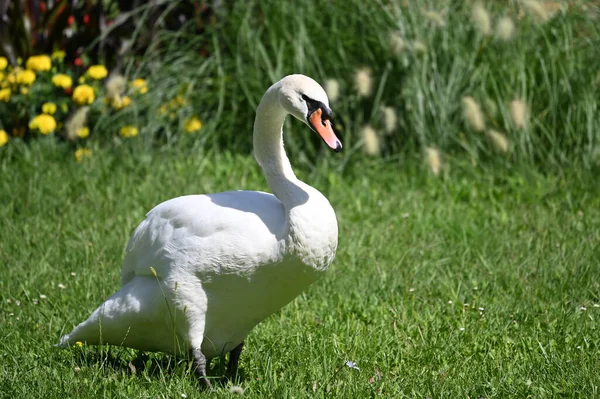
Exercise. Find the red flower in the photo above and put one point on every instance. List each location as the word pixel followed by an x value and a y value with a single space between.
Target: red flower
pixel 68 91
pixel 78 61
pixel 86 19
pixel 70 20
pixel 43 7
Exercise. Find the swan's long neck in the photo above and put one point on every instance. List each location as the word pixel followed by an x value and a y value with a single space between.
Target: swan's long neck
pixel 311 225
pixel 270 154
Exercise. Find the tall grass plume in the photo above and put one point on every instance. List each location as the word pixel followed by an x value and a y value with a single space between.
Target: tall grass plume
pixel 396 43
pixel 472 114
pixel 519 113
pixel 76 123
pixel 115 86
pixel 536 10
pixel 370 140
pixel 433 158
pixel 505 29
pixel 498 140
pixel 332 88
pixel 435 17
pixel 390 119
pixel 363 82
pixel 419 47
pixel 481 19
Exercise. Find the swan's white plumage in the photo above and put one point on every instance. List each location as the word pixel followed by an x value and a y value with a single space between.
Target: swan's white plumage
pixel 202 270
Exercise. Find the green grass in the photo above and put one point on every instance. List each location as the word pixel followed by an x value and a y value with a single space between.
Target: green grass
pixel 521 245
pixel 550 66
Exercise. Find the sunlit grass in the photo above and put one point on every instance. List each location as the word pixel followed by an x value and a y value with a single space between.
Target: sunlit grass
pixel 480 284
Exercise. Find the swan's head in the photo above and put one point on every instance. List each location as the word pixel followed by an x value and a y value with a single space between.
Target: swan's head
pixel 306 100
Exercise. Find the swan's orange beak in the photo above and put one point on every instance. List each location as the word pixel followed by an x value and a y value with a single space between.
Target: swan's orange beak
pixel 325 130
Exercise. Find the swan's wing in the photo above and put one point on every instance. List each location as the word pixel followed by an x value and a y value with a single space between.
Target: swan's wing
pixel 206 233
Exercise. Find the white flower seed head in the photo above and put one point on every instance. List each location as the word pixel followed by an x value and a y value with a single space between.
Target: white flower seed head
pixel 389 119
pixel 434 160
pixel 370 141
pixel 481 19
pixel 518 112
pixel 332 88
pixel 363 82
pixel 499 140
pixel 505 29
pixel 472 114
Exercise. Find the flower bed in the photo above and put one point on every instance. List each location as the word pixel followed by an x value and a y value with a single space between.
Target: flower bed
pixel 45 97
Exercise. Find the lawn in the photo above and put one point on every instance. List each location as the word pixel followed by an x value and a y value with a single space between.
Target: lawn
pixel 483 282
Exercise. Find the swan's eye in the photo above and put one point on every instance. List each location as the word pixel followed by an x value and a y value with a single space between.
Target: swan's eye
pixel 314 105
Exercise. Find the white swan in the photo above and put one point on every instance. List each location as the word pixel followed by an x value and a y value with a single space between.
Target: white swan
pixel 202 270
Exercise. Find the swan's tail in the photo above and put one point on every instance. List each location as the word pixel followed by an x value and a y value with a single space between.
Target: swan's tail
pixel 90 331
pixel 133 316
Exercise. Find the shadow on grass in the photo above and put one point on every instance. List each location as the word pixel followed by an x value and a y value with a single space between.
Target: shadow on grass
pixel 129 362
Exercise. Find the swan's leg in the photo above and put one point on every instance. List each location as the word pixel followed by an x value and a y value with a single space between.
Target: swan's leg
pixel 200 366
pixel 234 357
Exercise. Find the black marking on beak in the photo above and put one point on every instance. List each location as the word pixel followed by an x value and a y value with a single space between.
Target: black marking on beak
pixel 314 105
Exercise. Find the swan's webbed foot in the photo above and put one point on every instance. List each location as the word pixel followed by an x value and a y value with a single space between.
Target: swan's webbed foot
pixel 234 358
pixel 200 367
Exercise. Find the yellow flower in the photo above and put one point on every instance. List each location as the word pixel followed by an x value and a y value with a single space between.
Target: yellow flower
pixel 193 125
pixel 83 132
pixel 24 91
pixel 178 101
pixel 58 54
pixel 3 138
pixel 12 76
pixel 97 72
pixel 81 80
pixel 49 108
pixel 140 85
pixel 1 76
pixel 63 81
pixel 39 63
pixel 163 109
pixel 5 95
pixel 128 131
pixel 83 95
pixel 80 154
pixel 43 123
pixel 26 77
pixel 120 103
pixel 3 63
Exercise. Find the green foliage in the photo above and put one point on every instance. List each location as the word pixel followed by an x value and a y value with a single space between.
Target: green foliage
pixel 418 257
pixel 91 31
pixel 33 27
pixel 422 60
pixel 419 69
